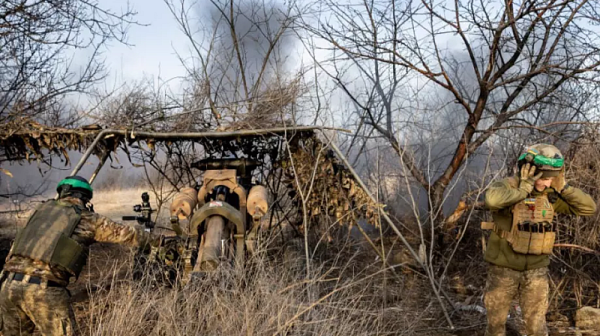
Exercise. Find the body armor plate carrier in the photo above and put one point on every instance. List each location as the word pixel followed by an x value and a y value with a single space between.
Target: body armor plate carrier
pixel 47 237
pixel 532 230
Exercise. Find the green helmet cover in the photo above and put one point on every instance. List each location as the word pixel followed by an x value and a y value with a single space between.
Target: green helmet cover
pixel 540 160
pixel 76 182
pixel 546 157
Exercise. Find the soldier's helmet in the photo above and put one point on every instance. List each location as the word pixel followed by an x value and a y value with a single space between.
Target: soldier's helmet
pixel 75 186
pixel 547 158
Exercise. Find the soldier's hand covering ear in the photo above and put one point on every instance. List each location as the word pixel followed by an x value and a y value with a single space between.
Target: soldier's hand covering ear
pixel 559 183
pixel 528 177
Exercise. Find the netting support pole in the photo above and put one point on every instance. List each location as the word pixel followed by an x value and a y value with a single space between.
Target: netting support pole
pixel 432 280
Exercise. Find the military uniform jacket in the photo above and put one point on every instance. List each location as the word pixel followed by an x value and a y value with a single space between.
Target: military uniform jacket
pixel 500 198
pixel 92 228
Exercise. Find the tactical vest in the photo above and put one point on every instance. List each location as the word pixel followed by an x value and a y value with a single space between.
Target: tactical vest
pixel 47 237
pixel 533 228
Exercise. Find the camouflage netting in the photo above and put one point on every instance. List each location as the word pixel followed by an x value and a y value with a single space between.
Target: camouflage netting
pixel 335 193
pixel 24 139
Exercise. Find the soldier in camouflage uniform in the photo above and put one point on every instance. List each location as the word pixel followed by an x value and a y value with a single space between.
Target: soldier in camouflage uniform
pixel 523 234
pixel 47 252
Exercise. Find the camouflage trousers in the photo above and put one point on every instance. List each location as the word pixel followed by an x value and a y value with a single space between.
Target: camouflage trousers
pixel 24 306
pixel 503 284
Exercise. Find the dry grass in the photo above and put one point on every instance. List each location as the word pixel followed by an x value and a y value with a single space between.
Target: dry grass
pixel 345 294
pixel 270 296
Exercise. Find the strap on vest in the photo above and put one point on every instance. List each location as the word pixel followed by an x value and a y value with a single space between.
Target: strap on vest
pixel 492 226
pixel 488 225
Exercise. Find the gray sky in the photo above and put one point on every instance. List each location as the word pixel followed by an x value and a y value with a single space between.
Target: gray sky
pixel 152 51
pixel 150 55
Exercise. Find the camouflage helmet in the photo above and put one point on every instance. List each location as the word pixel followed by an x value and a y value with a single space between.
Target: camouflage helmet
pixel 547 158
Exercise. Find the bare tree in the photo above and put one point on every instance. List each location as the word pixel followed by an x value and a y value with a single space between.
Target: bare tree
pixel 486 65
pixel 38 43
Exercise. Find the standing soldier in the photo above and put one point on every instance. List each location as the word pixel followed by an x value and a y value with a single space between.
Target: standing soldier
pixel 50 249
pixel 523 235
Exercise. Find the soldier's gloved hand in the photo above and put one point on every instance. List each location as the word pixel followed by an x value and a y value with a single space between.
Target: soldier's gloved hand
pixel 528 177
pixel 559 183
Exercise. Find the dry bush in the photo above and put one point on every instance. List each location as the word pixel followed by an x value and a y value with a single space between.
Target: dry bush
pixel 345 295
pixel 119 179
pixel 576 265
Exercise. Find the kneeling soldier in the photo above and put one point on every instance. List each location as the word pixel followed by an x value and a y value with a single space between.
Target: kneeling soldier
pixel 51 248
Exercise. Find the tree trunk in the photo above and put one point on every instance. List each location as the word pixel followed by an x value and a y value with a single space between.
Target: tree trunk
pixel 436 196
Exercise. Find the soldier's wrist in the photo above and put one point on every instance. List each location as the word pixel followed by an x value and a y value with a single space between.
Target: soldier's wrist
pixel 566 189
pixel 526 186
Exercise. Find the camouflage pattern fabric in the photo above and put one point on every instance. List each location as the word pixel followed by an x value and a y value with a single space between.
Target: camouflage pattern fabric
pixel 92 228
pixel 503 284
pixel 24 306
pixel 550 152
pixel 502 195
pixel 546 150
